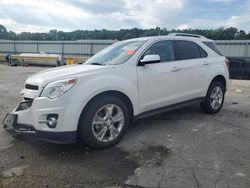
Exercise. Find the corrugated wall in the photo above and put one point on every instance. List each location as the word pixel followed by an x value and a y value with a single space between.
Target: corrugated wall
pixel 234 48
pixel 230 48
pixel 81 47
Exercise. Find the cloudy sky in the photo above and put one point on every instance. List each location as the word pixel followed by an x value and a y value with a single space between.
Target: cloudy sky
pixel 68 15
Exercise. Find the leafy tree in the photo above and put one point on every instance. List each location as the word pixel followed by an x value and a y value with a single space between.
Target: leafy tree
pixel 3 32
pixel 12 35
pixel 241 35
pixel 122 34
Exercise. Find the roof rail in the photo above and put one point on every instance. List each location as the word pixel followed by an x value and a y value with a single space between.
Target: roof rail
pixel 185 35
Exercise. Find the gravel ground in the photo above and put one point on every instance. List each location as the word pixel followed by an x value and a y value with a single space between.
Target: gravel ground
pixel 182 148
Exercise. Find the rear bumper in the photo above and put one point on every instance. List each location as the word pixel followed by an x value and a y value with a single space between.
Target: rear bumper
pixel 52 137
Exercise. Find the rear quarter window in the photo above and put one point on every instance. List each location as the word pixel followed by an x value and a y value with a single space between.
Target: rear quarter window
pixel 203 53
pixel 213 47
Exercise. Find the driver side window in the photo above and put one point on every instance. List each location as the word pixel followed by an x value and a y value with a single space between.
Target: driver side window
pixel 165 49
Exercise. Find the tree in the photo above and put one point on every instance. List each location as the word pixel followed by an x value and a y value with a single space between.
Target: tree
pixel 240 35
pixel 52 35
pixel 3 32
pixel 221 33
pixel 12 35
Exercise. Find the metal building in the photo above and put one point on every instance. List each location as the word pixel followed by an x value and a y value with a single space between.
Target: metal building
pixel 80 47
pixel 229 48
pixel 235 48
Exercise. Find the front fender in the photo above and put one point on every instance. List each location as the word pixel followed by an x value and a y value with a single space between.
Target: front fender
pixel 89 87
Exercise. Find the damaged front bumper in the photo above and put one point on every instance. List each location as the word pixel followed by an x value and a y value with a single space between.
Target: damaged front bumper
pixel 11 125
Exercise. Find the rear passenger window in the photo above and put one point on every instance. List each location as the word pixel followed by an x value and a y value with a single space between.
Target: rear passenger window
pixel 165 49
pixel 188 50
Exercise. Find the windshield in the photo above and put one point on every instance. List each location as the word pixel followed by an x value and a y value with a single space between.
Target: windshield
pixel 117 53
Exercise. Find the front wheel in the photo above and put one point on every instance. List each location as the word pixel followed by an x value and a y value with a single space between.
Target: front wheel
pixel 214 99
pixel 104 122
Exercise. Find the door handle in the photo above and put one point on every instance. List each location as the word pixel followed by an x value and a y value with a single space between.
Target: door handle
pixel 205 63
pixel 175 69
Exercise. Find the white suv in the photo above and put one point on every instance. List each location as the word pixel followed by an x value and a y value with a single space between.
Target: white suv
pixel 131 79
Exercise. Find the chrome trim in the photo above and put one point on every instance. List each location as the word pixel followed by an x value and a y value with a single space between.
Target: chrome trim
pixel 22 130
pixel 43 121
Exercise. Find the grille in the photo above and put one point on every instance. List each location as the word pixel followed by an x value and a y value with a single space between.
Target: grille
pixel 31 87
pixel 24 105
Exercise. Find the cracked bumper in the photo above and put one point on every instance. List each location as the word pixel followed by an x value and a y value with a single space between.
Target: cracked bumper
pixel 32 120
pixel 53 137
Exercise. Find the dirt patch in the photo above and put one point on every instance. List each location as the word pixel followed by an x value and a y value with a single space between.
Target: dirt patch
pixel 150 154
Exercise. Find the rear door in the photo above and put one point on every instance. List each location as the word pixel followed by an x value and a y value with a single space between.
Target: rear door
pixel 193 61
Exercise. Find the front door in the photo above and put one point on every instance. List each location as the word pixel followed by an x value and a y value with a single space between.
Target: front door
pixel 158 82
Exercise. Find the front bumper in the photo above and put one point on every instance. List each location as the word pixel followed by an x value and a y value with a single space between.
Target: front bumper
pixel 53 137
pixel 31 119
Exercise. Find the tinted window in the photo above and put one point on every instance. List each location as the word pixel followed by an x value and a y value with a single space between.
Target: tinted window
pixel 187 50
pixel 202 52
pixel 165 49
pixel 212 46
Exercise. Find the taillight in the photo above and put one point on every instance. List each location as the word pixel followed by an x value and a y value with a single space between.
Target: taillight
pixel 227 62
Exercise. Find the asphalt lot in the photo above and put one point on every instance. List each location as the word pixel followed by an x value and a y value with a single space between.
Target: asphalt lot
pixel 183 148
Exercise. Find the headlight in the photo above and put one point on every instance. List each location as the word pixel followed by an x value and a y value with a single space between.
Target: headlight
pixel 58 88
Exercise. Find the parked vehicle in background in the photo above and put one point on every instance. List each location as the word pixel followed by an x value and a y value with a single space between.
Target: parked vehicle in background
pixel 128 80
pixel 239 68
pixel 41 58
pixel 238 54
pixel 11 62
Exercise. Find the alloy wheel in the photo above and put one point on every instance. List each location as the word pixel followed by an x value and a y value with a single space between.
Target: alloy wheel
pixel 108 123
pixel 216 98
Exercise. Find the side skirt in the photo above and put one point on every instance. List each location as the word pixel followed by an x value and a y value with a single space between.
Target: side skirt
pixel 168 108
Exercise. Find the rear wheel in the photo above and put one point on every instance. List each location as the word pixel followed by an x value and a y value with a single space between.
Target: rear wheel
pixel 104 122
pixel 214 99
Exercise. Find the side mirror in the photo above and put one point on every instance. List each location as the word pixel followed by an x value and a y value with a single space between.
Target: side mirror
pixel 148 59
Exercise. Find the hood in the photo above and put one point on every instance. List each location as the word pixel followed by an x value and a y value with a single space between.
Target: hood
pixel 50 75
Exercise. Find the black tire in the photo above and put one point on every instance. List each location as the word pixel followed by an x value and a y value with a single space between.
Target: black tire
pixel 85 123
pixel 206 105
